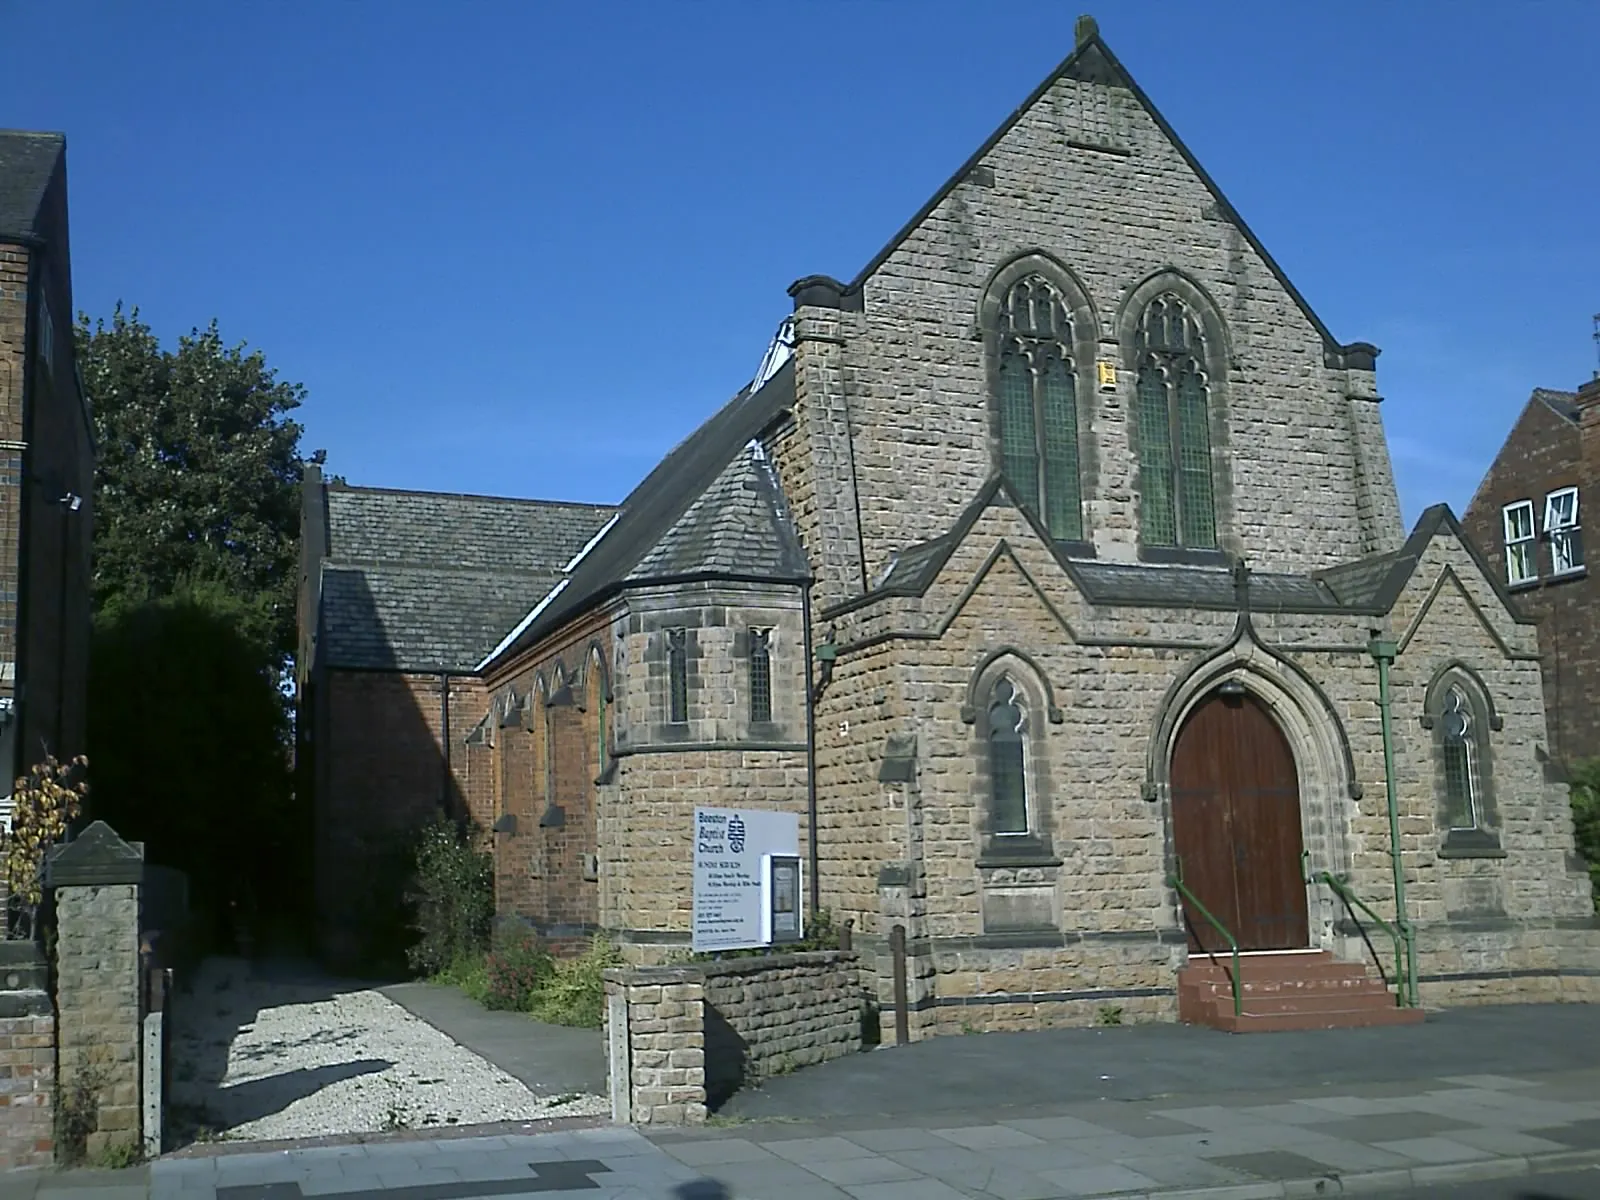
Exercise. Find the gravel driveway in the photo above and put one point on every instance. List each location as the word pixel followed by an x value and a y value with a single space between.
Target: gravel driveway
pixel 263 1053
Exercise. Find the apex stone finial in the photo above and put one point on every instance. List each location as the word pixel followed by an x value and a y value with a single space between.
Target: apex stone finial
pixel 1087 29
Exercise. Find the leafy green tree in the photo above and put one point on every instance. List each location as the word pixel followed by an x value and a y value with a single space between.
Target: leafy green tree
pixel 1586 816
pixel 198 472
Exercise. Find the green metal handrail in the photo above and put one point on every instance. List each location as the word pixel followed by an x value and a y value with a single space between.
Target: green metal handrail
pixel 1176 881
pixel 1351 900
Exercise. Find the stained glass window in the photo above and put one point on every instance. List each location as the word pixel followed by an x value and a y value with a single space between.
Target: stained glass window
pixel 1007 760
pixel 1458 743
pixel 678 676
pixel 1177 498
pixel 760 675
pixel 1039 407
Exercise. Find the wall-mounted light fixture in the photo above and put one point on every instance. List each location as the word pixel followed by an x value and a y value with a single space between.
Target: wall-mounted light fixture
pixel 1232 688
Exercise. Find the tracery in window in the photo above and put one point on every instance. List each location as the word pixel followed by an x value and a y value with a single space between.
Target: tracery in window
pixel 1177 501
pixel 1458 749
pixel 1008 775
pixel 1038 405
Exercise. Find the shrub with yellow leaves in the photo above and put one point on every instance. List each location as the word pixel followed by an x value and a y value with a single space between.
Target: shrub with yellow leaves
pixel 46 801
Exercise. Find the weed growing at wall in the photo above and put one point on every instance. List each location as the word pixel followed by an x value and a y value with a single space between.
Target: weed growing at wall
pixel 46 800
pixel 1586 817
pixel 451 897
pixel 517 967
pixel 576 993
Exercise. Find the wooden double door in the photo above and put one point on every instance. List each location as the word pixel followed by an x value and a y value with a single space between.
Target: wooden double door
pixel 1236 827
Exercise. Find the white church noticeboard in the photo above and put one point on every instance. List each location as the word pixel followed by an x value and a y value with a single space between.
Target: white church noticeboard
pixel 729 896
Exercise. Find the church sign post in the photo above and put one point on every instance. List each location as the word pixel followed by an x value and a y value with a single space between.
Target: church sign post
pixel 746 878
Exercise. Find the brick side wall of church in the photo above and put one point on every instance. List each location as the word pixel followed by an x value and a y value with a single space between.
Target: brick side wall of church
pixel 382 778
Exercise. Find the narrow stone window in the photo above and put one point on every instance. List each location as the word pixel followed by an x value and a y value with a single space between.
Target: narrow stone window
pixel 1522 564
pixel 1177 502
pixel 1036 381
pixel 1008 775
pixel 677 676
pixel 1459 754
pixel 760 676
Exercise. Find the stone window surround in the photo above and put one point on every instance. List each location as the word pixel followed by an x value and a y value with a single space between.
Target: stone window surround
pixel 1218 358
pixel 1484 840
pixel 1085 342
pixel 1036 847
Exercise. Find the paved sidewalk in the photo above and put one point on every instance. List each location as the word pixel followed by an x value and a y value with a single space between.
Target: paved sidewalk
pixel 1375 1139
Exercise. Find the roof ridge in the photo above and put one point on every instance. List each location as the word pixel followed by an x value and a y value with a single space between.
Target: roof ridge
pixel 1080 54
pixel 351 488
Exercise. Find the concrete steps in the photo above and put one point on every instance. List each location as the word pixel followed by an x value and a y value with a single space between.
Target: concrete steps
pixel 1288 990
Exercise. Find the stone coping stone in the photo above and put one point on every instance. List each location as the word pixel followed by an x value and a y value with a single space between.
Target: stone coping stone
pixel 750 965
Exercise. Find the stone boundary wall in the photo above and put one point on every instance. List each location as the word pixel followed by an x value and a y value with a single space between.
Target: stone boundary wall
pixel 27 1058
pixel 682 1039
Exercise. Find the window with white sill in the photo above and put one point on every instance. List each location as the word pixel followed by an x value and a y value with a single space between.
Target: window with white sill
pixel 1521 561
pixel 1562 532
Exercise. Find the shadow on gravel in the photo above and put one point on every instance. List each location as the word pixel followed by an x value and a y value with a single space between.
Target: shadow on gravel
pixel 211 1006
pixel 994 1071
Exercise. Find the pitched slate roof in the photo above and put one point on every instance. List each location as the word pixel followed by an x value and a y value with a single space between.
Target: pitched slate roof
pixel 737 527
pixel 27 161
pixel 429 581
pixel 651 515
pixel 1563 404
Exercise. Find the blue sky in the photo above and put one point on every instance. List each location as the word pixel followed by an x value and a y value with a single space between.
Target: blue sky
pixel 524 248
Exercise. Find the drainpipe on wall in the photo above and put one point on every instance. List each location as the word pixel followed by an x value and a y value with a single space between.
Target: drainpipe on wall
pixel 445 780
pixel 1383 653
pixel 812 855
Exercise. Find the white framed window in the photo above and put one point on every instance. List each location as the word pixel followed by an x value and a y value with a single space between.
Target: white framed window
pixel 1561 529
pixel 1521 563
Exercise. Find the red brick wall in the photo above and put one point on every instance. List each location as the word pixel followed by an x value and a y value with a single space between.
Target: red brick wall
pixel 1545 452
pixel 541 872
pixel 381 776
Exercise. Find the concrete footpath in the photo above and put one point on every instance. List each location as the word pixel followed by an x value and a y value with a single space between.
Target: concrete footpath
pixel 1425 1137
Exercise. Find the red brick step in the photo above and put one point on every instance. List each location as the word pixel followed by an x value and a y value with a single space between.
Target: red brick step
pixel 1291 990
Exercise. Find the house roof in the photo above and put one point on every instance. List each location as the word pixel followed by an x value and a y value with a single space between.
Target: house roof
pixel 1563 404
pixel 429 581
pixel 693 514
pixel 27 162
pixel 1092 61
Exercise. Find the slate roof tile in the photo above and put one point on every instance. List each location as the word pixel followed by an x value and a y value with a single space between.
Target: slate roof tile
pixel 27 161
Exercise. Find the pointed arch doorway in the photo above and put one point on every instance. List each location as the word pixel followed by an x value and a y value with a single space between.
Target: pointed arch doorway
pixel 1236 826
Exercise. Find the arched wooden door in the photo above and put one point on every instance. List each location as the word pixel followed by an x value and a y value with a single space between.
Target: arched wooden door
pixel 1236 826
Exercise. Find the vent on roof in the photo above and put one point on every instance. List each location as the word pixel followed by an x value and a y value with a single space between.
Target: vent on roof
pixel 778 353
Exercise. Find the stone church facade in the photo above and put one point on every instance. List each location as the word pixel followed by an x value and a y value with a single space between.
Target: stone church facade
pixel 1040 568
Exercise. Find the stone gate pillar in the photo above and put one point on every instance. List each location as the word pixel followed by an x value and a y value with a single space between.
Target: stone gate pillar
pixel 96 878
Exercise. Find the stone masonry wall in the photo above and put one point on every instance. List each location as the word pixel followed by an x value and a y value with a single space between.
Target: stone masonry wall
pixel 27 1058
pixel 697 1032
pixel 97 971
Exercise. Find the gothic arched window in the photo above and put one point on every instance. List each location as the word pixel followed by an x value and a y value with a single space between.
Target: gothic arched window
pixel 1458 751
pixel 1008 772
pixel 1176 495
pixel 1038 405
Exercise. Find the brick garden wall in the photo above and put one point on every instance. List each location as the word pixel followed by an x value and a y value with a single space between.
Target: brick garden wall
pixel 27 1058
pixel 696 1033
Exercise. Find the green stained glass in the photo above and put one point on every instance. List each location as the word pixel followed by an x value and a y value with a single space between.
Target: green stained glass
pixel 1455 733
pixel 1156 517
pixel 1019 447
pixel 1007 768
pixel 1196 505
pixel 1064 508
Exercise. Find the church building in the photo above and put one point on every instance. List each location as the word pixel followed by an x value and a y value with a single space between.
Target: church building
pixel 1052 571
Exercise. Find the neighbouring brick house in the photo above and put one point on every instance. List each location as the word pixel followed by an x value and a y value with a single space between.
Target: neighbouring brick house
pixel 1043 564
pixel 1527 515
pixel 46 466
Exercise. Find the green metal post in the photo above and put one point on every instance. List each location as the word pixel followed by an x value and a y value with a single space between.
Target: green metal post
pixel 1383 653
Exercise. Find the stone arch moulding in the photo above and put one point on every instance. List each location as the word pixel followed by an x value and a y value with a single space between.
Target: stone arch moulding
pixel 1219 342
pixel 594 659
pixel 984 671
pixel 1085 320
pixel 1449 673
